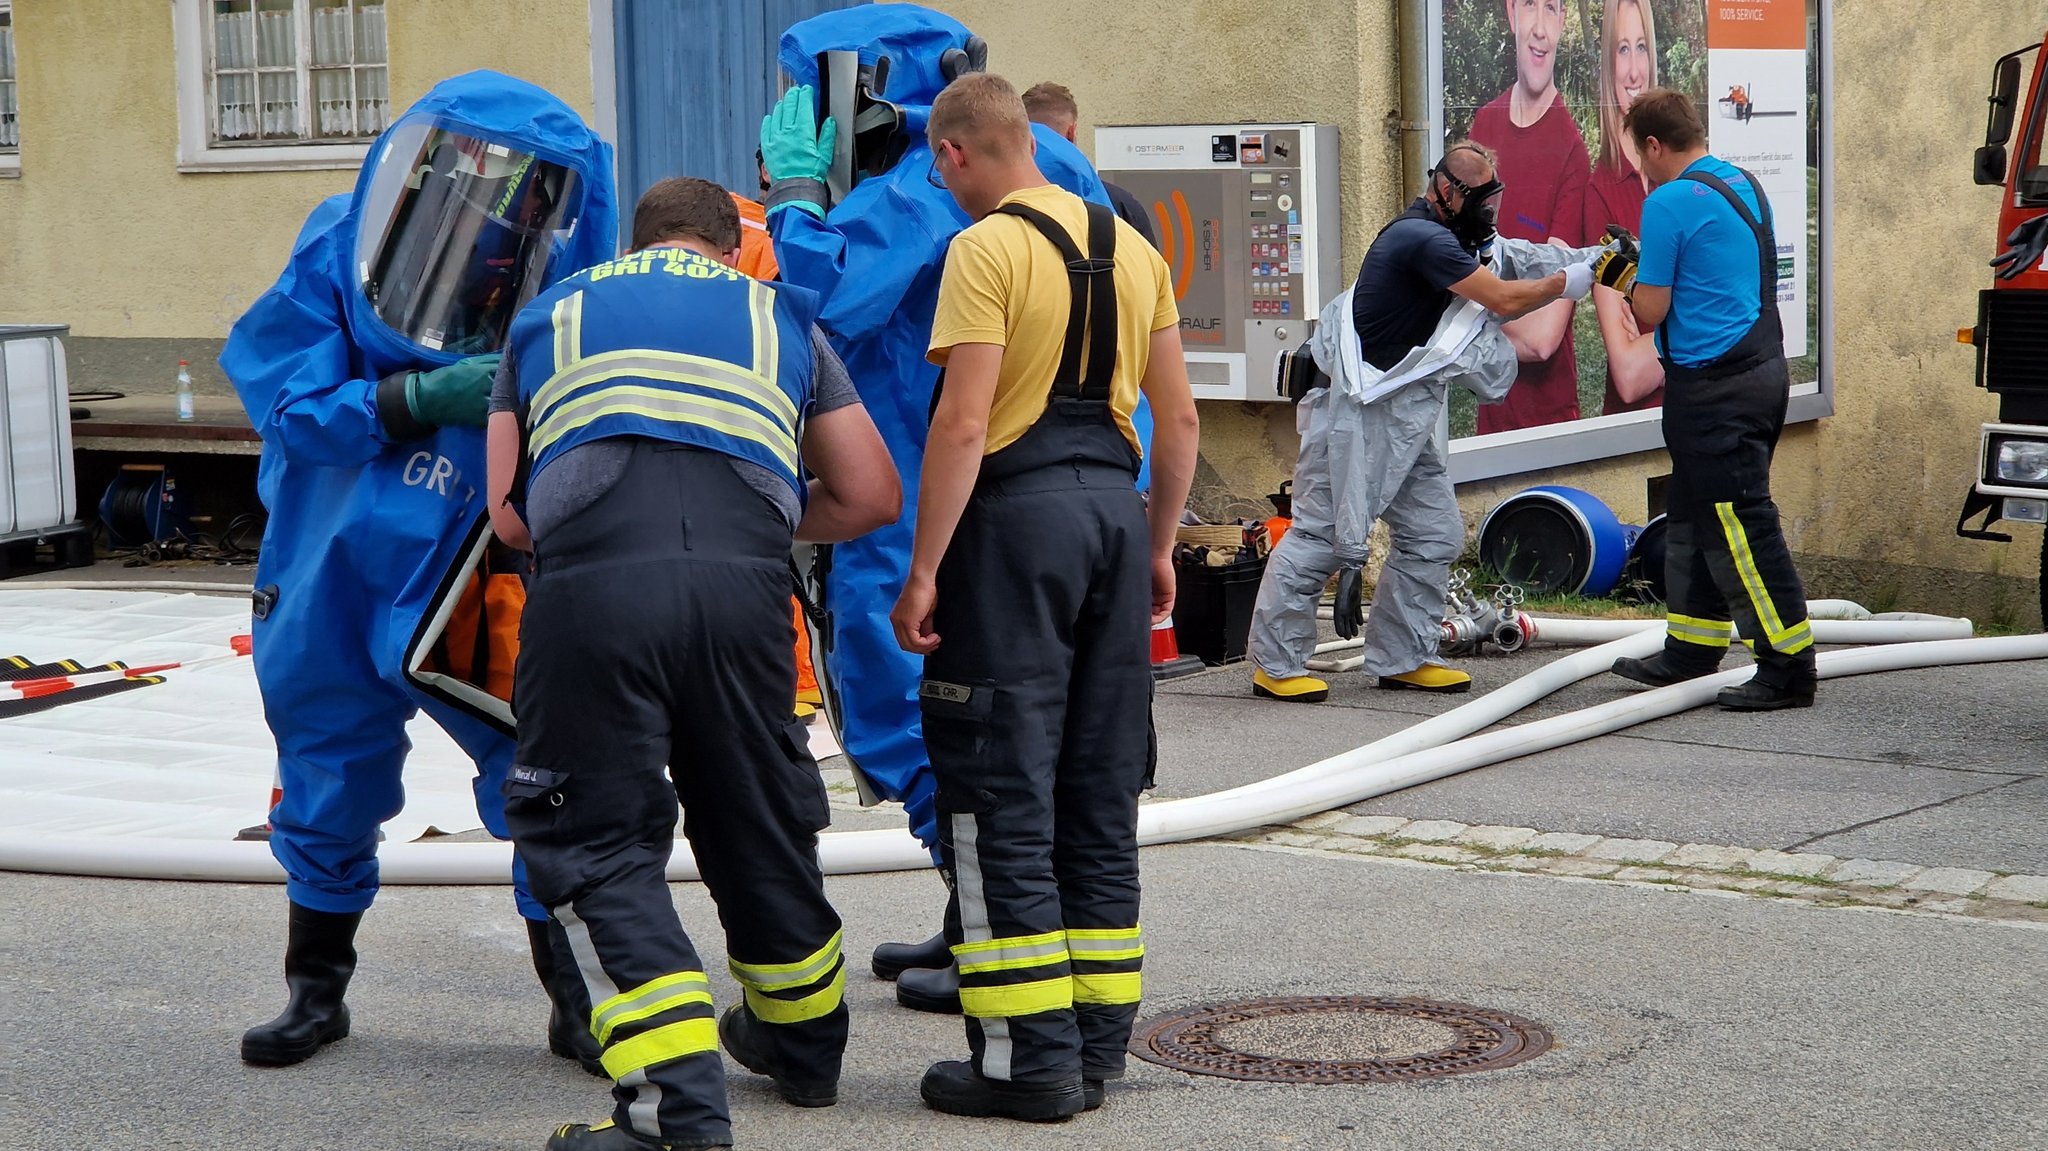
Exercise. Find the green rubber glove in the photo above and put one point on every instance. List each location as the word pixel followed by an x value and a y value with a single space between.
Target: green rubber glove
pixel 794 148
pixel 457 395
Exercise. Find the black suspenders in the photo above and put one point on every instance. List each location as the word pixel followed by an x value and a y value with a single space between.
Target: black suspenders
pixel 1092 317
pixel 1093 280
pixel 1766 242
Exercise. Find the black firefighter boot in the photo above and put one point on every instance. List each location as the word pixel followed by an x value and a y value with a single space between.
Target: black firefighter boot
pixel 933 989
pixel 568 999
pixel 893 959
pixel 319 957
pixel 1665 669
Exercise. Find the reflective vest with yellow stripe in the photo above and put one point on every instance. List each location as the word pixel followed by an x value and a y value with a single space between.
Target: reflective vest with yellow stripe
pixel 671 345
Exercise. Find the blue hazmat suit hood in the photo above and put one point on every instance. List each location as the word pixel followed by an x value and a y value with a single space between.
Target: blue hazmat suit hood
pixel 505 110
pixel 911 36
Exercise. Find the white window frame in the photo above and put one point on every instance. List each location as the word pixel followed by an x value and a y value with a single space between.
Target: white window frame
pixel 196 151
pixel 10 162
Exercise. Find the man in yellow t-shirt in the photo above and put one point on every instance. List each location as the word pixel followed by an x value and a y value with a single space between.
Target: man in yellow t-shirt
pixel 1035 577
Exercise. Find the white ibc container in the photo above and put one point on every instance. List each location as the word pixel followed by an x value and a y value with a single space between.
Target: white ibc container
pixel 37 491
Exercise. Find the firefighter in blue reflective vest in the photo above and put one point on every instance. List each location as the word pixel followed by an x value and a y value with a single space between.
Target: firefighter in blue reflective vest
pixel 366 369
pixel 680 430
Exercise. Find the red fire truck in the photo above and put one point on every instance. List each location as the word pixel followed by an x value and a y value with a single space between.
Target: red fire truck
pixel 2011 333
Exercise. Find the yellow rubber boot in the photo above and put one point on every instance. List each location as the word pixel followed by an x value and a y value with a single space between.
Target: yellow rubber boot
pixel 1430 677
pixel 1298 689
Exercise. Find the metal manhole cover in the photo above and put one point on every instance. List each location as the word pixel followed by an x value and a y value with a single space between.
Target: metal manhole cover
pixel 1338 1039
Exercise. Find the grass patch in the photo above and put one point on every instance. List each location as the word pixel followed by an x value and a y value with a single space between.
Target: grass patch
pixel 1810 881
pixel 1540 853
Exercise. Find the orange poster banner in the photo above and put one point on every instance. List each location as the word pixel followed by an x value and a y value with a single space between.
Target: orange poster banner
pixel 1756 24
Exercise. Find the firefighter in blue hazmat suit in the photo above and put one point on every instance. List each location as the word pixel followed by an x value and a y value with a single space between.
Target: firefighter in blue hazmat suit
pixel 366 369
pixel 869 235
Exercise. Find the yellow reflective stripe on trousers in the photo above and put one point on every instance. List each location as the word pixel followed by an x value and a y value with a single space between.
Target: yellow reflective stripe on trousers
pixel 1106 944
pixel 1018 998
pixel 783 976
pixel 689 1037
pixel 816 1005
pixel 1011 953
pixel 1115 987
pixel 568 321
pixel 647 1000
pixel 1693 629
pixel 1786 640
pixel 733 419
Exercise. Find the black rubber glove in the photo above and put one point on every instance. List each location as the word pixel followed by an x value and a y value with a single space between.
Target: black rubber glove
pixel 2027 241
pixel 1348 614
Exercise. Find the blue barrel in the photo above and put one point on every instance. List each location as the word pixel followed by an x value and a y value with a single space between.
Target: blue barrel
pixel 1556 540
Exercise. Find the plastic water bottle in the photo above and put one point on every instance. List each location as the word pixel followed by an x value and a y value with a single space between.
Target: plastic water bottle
pixel 185 413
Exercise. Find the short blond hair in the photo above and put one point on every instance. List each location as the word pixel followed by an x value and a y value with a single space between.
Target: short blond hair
pixel 982 112
pixel 1051 104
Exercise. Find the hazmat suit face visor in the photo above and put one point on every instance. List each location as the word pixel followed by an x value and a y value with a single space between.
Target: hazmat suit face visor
pixel 455 233
pixel 872 134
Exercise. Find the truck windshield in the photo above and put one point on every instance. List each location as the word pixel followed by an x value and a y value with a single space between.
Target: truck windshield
pixel 2031 172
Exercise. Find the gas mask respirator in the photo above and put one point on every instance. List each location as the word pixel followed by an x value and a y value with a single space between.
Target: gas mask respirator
pixel 1474 221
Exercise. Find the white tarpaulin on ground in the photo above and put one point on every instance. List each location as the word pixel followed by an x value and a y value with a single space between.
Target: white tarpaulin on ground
pixel 189 758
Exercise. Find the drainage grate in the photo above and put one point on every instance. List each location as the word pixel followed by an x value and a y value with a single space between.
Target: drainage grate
pixel 1338 1039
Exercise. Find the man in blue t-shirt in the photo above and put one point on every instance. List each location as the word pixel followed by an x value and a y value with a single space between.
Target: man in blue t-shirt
pixel 1708 283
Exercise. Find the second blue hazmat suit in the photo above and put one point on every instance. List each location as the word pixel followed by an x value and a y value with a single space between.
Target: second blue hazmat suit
pixel 483 190
pixel 876 258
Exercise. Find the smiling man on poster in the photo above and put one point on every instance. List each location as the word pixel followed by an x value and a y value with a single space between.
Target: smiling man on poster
pixel 1542 160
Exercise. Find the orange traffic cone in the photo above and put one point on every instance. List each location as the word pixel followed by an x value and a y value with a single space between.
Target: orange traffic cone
pixel 261 832
pixel 1167 661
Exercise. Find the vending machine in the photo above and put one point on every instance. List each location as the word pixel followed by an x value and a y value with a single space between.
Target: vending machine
pixel 1248 220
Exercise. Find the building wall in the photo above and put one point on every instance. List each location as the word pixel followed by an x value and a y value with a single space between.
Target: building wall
pixel 102 232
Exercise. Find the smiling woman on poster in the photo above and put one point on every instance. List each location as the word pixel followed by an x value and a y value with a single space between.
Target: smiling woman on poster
pixel 1542 160
pixel 1615 195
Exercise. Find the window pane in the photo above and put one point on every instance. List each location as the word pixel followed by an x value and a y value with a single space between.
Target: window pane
pixel 10 121
pixel 331 33
pixel 277 39
pixel 235 106
pixel 373 101
pixel 334 102
pixel 280 104
pixel 234 31
pixel 369 39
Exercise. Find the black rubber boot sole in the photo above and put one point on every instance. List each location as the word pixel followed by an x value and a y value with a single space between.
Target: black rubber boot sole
pixel 1749 697
pixel 261 1049
pixel 954 1089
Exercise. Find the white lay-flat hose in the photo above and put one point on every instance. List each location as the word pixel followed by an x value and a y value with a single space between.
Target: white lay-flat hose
pixel 1898 627
pixel 1417 754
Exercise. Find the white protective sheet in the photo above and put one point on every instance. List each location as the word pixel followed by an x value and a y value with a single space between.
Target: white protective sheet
pixel 189 758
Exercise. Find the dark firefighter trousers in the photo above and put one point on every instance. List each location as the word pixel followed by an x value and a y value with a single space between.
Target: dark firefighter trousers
pixel 1726 559
pixel 657 634
pixel 1037 717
